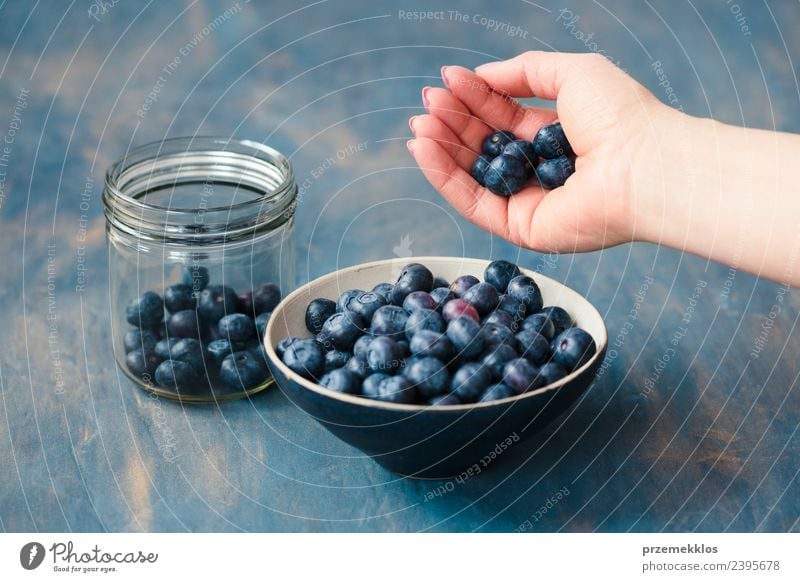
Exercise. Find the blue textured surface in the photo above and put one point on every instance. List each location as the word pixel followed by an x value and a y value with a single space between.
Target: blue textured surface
pixel 707 441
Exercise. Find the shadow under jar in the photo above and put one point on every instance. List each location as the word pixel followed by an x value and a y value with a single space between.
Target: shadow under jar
pixel 201 247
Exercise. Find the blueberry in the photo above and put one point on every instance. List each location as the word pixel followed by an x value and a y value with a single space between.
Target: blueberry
pixel 266 297
pixel 440 282
pixel 405 348
pixel 429 343
pixel 196 277
pixel 370 388
pixel 459 308
pixel 361 345
pixel 385 290
pixel 218 350
pixel 506 175
pixel 460 285
pixel 465 335
pixel 572 348
pixel 553 173
pixel 244 303
pixel 495 142
pixel 305 357
pixel 189 351
pixel 470 381
pixel 336 359
pixel 551 372
pixel 497 357
pixel 215 302
pixel 521 376
pixel 534 346
pixel 551 142
pixel 483 297
pixel 389 320
pixel 495 334
pixel 184 324
pixel 142 363
pixel 413 277
pixel 441 295
pixel 317 312
pixel 341 330
pixel 419 300
pixel 164 347
pixel 444 400
pixel 236 327
pixel 560 318
pixel 540 323
pixel 261 324
pixel 512 306
pixel 242 370
pixel 424 319
pixel 499 273
pixel 384 355
pixel 342 304
pixel 139 338
pixel 343 381
pixel 526 290
pixel 255 347
pixel 280 348
pixel 396 389
pixel 359 366
pixel 429 376
pixel 366 304
pixel 502 318
pixel 523 150
pixel 178 376
pixel 496 392
pixel 479 168
pixel 179 297
pixel 146 312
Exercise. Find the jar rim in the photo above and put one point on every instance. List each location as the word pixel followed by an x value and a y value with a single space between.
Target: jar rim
pixel 210 159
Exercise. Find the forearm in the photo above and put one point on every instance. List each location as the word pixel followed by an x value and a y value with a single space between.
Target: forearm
pixel 724 192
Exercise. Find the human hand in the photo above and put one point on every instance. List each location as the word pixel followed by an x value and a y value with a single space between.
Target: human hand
pixel 610 120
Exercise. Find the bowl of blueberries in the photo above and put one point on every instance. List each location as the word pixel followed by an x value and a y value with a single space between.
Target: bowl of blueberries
pixel 429 371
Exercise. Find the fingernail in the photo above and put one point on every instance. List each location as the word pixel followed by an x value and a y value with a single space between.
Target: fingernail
pixel 486 66
pixel 425 101
pixel 444 77
pixel 410 146
pixel 411 124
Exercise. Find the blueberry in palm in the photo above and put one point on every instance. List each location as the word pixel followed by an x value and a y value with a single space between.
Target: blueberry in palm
pixel 523 150
pixel 479 168
pixel 551 142
pixel 495 142
pixel 554 173
pixel 506 175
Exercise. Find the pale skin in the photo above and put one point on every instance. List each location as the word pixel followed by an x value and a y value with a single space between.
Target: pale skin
pixel 645 171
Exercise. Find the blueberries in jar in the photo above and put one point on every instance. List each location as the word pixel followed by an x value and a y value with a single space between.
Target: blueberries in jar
pixel 189 350
pixel 215 302
pixel 164 347
pixel 195 277
pixel 178 376
pixel 145 312
pixel 244 303
pixel 139 338
pixel 261 324
pixel 218 350
pixel 266 297
pixel 142 363
pixel 236 327
pixel 317 312
pixel 242 370
pixel 184 324
pixel 179 297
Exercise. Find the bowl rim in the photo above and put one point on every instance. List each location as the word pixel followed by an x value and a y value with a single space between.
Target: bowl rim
pixel 601 344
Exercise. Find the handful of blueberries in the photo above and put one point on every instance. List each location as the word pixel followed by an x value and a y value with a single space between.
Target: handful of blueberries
pixel 208 334
pixel 508 163
pixel 423 340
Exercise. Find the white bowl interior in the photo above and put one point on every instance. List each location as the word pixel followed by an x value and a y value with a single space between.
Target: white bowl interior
pixel 289 317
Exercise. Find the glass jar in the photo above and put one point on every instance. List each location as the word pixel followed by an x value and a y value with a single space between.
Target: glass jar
pixel 200 238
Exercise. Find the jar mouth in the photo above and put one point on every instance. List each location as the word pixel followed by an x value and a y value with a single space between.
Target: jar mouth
pixel 209 188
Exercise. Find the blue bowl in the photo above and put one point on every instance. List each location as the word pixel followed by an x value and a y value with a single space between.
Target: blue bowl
pixel 416 440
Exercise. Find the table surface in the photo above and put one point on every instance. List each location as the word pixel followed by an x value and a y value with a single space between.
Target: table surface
pixel 695 434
